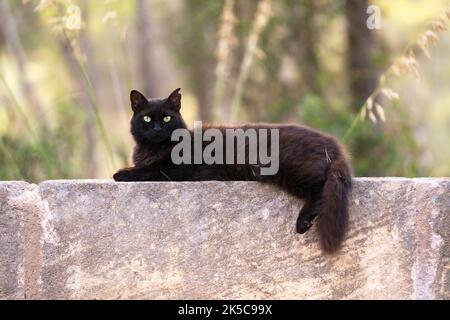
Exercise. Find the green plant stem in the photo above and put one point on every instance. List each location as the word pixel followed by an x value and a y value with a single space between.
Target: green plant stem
pixel 359 116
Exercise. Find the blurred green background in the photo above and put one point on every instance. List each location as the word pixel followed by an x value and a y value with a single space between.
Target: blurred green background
pixel 66 69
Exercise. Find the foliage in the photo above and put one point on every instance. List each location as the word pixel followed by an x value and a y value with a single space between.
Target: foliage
pixel 64 89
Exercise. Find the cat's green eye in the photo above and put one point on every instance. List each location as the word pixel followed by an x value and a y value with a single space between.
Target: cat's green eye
pixel 147 119
pixel 167 118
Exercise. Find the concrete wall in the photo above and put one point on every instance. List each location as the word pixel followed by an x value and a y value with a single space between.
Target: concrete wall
pixel 105 240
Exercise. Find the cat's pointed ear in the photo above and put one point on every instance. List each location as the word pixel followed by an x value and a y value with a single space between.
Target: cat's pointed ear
pixel 174 99
pixel 138 100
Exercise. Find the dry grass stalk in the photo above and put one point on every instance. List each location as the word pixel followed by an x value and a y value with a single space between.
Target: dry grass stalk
pixel 406 64
pixel 226 42
pixel 262 17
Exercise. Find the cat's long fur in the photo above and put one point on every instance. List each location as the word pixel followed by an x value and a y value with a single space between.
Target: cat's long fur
pixel 312 165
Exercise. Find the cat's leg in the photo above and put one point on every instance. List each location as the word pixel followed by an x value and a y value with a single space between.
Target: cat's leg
pixel 158 173
pixel 165 173
pixel 190 172
pixel 139 174
pixel 185 172
pixel 307 214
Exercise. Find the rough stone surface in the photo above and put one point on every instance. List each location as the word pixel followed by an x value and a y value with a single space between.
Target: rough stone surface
pixel 230 240
pixel 11 241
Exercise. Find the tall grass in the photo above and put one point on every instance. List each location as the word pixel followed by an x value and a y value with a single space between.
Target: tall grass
pixel 38 137
pixel 406 63
pixel 34 132
pixel 95 109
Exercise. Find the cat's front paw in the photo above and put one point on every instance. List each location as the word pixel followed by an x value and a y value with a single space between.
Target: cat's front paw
pixel 122 175
pixel 303 225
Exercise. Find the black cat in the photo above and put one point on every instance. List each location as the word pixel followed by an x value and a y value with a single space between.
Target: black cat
pixel 312 165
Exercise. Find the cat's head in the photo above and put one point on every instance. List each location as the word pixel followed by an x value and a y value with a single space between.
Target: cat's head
pixel 154 120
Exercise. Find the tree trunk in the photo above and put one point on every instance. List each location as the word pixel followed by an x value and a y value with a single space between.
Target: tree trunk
pixel 145 53
pixel 194 47
pixel 303 44
pixel 362 76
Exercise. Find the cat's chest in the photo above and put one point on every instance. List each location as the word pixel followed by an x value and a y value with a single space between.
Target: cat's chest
pixel 149 156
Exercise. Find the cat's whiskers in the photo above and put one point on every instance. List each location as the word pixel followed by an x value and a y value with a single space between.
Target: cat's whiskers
pixel 165 175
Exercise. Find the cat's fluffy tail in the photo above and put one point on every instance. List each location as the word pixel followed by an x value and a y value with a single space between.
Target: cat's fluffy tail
pixel 332 216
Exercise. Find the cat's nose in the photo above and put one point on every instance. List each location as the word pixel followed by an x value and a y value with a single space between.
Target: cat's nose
pixel 157 128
